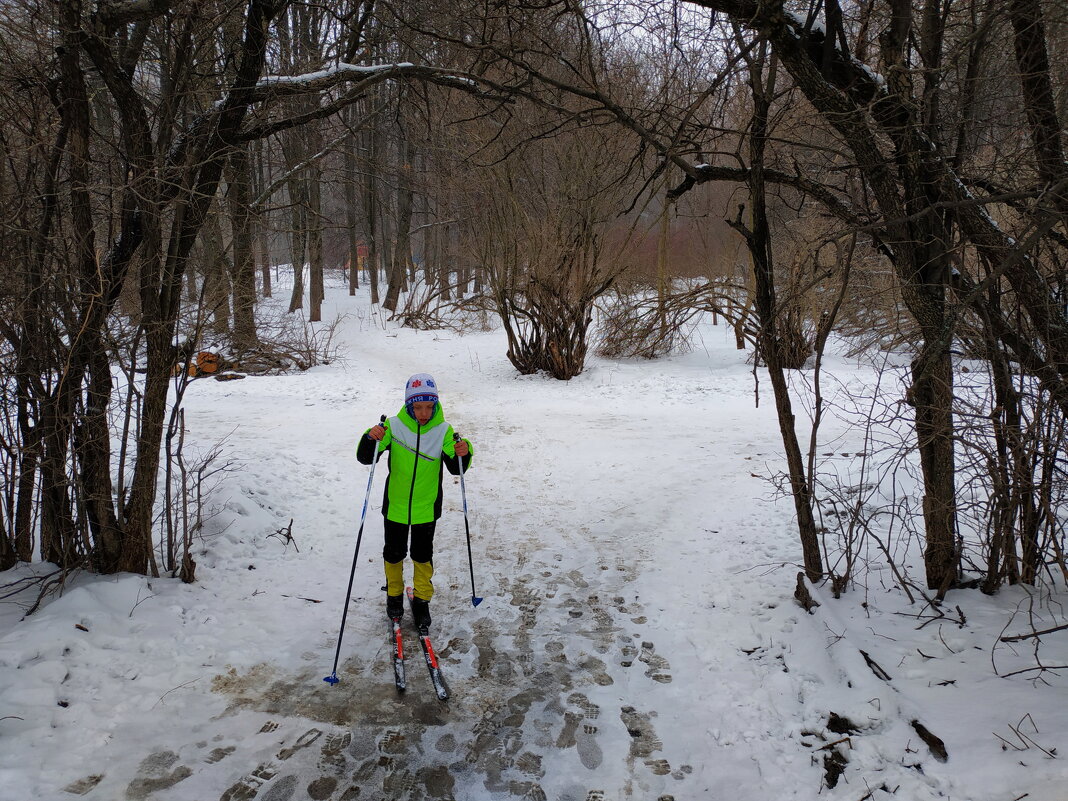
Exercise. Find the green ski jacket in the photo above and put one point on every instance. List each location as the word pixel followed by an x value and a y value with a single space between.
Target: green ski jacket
pixel 416 455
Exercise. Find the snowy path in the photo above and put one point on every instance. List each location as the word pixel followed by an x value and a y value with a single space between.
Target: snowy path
pixel 638 639
pixel 563 680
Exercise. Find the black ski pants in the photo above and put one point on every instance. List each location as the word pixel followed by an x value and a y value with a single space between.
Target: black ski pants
pixel 396 548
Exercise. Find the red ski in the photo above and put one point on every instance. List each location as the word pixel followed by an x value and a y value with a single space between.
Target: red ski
pixel 397 644
pixel 440 687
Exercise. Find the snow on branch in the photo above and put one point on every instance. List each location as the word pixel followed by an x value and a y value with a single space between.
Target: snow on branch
pixel 360 79
pixel 311 80
pixel 814 32
pixel 788 30
pixel 320 80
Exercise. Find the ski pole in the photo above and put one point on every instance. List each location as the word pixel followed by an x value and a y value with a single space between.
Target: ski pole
pixel 332 679
pixel 475 600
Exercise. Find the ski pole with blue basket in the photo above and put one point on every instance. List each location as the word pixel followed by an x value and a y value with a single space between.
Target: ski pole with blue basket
pixel 475 600
pixel 332 679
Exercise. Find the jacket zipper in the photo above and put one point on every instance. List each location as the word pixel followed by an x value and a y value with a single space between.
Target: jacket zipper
pixel 415 467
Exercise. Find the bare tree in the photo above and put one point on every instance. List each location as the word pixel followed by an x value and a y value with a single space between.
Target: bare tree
pixel 921 112
pixel 118 185
pixel 773 346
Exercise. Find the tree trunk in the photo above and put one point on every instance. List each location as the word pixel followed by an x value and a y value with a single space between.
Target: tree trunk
pixel 217 272
pixel 436 258
pixel 314 225
pixel 27 481
pixel 370 204
pixel 758 238
pixel 1007 443
pixel 137 556
pixel 294 151
pixel 352 238
pixel 27 365
pixel 402 247
pixel 93 448
pixel 58 539
pixel 457 255
pixel 260 248
pixel 932 395
pixel 1032 58
pixel 244 265
pixel 57 523
pixel 8 557
pixel 297 242
pixel 920 243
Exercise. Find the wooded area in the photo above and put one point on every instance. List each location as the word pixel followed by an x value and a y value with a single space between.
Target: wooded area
pixel 590 174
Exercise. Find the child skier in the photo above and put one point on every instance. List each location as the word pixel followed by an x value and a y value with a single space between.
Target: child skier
pixel 419 442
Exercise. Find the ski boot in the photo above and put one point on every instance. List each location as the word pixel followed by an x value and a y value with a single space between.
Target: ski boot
pixel 394 607
pixel 421 614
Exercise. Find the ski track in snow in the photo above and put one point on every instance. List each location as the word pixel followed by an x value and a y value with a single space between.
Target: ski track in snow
pixel 638 638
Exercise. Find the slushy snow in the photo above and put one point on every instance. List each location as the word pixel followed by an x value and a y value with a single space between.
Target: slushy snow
pixel 638 640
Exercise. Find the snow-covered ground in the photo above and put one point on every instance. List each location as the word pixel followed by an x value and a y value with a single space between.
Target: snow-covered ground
pixel 638 638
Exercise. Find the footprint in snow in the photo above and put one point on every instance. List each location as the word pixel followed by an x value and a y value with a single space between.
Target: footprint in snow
pixel 155 774
pixel 658 666
pixel 303 741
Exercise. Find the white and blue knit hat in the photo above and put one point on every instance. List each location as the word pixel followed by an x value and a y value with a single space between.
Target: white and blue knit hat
pixel 420 387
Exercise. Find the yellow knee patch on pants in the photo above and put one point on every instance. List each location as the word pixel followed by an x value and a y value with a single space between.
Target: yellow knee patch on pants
pixel 394 578
pixel 424 588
